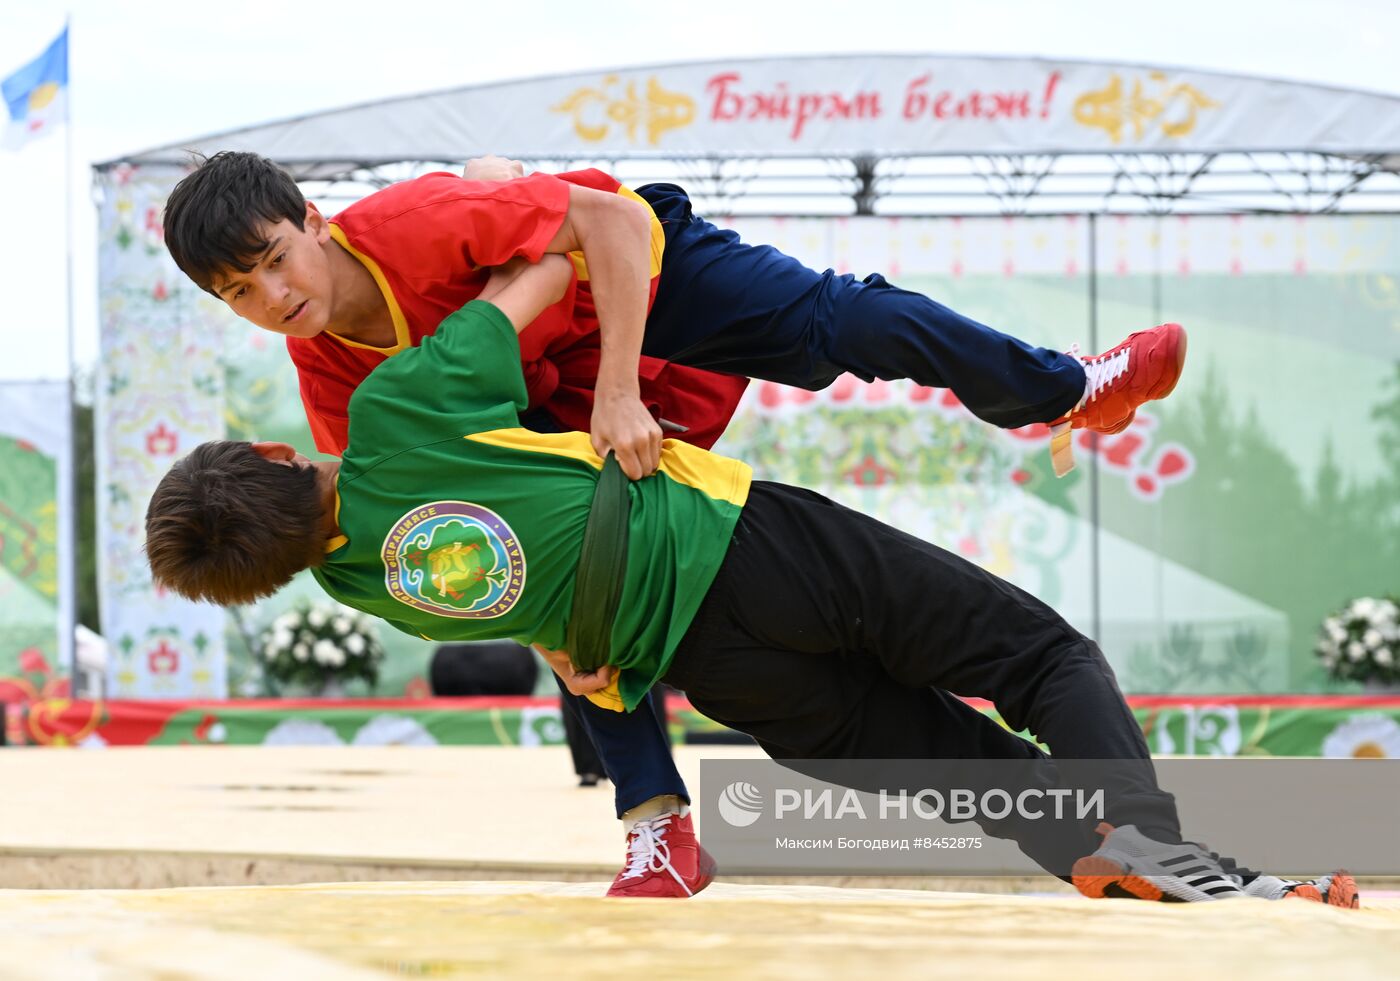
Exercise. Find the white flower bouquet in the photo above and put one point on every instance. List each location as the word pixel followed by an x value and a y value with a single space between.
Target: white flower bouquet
pixel 1362 641
pixel 315 644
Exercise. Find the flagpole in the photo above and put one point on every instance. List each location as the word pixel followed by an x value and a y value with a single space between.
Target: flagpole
pixel 68 560
pixel 68 187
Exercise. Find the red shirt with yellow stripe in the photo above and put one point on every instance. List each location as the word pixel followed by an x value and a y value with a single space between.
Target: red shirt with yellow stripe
pixel 430 243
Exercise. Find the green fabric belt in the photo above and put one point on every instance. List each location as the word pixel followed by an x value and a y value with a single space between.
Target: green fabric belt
pixel 602 567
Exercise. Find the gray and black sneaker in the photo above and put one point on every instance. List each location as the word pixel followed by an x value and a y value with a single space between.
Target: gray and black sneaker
pixel 1130 865
pixel 1337 889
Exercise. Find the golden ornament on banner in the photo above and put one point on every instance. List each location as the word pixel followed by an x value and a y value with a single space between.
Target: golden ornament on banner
pixel 1173 108
pixel 659 111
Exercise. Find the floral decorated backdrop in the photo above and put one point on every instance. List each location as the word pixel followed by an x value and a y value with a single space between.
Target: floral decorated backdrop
pixel 160 393
pixel 35 508
pixel 1202 546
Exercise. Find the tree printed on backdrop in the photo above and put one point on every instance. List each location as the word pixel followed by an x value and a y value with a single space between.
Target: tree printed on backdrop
pixel 161 392
pixel 35 524
pixel 1293 399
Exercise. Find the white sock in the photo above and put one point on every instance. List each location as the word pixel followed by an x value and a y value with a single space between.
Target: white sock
pixel 654 808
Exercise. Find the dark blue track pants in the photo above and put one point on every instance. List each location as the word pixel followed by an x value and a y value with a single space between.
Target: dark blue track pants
pixel 751 310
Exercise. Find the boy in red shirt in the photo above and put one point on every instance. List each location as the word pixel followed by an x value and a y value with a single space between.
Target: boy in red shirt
pixel 662 300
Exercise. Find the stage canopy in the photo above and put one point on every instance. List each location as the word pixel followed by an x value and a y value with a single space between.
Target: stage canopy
pixel 879 134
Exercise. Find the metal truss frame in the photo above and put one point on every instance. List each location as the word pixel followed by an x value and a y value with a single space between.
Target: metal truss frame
pixel 1288 182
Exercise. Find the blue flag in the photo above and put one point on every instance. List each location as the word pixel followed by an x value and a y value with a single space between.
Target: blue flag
pixel 37 95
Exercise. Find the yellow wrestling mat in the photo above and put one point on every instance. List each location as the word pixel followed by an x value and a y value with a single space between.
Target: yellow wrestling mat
pixel 537 930
pixel 137 817
pixel 121 824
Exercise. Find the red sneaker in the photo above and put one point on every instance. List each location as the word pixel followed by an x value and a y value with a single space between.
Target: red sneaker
pixel 1144 367
pixel 664 860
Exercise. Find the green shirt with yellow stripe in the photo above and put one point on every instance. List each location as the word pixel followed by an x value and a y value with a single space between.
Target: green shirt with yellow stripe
pixel 457 524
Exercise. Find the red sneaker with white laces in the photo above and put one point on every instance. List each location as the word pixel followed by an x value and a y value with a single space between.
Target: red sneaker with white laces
pixel 1144 367
pixel 664 860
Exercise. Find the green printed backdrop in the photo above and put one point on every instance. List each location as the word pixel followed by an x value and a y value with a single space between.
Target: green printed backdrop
pixel 1201 547
pixel 1363 729
pixel 34 450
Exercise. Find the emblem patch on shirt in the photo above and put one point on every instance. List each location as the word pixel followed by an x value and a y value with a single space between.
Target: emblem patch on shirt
pixel 455 559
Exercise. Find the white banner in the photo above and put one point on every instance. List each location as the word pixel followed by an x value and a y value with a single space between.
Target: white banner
pixel 1179 245
pixel 160 393
pixel 889 105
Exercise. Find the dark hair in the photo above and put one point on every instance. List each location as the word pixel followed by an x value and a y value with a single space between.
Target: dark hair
pixel 228 526
pixel 212 216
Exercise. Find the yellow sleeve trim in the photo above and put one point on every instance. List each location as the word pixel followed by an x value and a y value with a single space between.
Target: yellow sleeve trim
pixel 395 313
pixel 719 477
pixel 716 476
pixel 658 239
pixel 338 540
pixel 573 445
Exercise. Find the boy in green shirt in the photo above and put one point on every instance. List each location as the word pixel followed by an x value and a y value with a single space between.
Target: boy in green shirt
pixel 817 630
